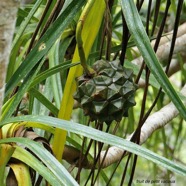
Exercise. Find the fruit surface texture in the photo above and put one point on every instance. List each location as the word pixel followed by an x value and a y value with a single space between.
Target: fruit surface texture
pixel 108 94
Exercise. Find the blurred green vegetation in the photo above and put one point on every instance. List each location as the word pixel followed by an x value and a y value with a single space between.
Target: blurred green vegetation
pixel 40 64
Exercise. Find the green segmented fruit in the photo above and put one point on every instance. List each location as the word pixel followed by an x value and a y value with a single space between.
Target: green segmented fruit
pixel 107 95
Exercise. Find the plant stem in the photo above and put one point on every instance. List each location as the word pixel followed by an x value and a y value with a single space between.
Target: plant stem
pixel 79 40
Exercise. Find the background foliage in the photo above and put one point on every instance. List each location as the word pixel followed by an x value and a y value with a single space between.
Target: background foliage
pixel 40 122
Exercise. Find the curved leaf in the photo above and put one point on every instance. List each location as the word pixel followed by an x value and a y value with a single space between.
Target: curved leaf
pixel 55 174
pixel 142 41
pixel 102 137
pixel 44 44
pixel 21 173
pixel 90 29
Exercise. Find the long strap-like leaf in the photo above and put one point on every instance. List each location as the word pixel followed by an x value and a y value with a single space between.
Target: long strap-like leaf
pixel 44 44
pixel 89 33
pixel 142 41
pixel 102 137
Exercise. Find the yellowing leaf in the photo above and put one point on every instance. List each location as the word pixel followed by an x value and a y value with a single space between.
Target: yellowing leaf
pixel 90 29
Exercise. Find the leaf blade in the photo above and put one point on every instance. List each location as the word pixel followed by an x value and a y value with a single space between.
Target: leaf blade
pixel 142 41
pixel 44 44
pixel 102 137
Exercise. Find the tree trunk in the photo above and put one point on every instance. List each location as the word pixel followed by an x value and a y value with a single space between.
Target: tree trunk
pixel 8 12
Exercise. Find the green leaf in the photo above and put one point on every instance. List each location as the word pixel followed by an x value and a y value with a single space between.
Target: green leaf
pixel 142 41
pixel 54 173
pixel 40 97
pixel 25 22
pixel 44 44
pixel 22 89
pixel 44 75
pixel 102 137
pixel 18 39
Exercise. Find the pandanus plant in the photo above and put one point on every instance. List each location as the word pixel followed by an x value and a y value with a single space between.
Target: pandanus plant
pixel 95 37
